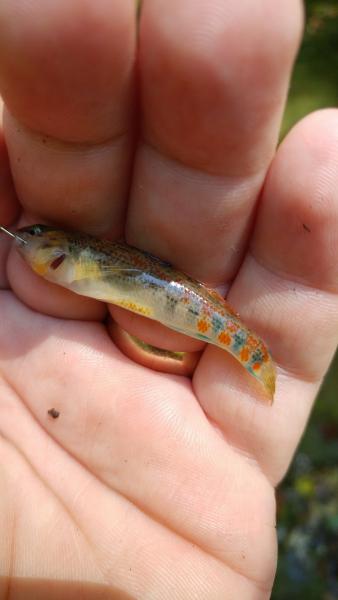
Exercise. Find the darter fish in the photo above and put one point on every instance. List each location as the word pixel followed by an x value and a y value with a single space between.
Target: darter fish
pixel 120 274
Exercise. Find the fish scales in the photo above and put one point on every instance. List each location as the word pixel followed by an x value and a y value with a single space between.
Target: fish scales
pixel 120 274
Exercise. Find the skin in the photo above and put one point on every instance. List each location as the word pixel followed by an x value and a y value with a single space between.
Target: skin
pixel 150 485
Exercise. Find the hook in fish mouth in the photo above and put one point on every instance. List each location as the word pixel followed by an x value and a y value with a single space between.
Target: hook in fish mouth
pixel 13 235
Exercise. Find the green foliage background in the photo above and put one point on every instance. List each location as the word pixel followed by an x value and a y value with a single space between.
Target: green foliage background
pixel 308 498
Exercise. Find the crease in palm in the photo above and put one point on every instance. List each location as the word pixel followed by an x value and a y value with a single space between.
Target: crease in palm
pixel 150 485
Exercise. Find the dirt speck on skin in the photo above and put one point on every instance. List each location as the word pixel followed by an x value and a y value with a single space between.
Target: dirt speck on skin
pixel 53 413
pixel 306 228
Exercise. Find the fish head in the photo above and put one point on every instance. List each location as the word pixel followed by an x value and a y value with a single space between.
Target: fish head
pixel 48 251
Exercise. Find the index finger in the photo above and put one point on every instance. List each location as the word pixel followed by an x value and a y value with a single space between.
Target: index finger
pixel 214 77
pixel 67 77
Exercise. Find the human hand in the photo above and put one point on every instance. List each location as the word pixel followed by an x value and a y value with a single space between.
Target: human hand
pixel 150 485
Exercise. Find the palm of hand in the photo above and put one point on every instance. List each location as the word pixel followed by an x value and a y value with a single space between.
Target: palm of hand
pixel 150 485
pixel 131 478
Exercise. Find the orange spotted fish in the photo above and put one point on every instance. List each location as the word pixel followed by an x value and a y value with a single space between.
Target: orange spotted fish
pixel 123 275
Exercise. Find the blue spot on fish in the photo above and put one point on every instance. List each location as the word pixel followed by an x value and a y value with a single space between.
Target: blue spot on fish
pixel 218 323
pixel 257 356
pixel 239 339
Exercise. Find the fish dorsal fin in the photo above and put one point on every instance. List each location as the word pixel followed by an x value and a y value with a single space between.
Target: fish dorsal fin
pixel 156 259
pixel 219 300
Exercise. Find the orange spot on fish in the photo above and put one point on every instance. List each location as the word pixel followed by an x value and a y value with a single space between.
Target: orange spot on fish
pixel 233 327
pixel 202 326
pixel 139 261
pixel 251 341
pixel 224 338
pixel 256 366
pixel 244 355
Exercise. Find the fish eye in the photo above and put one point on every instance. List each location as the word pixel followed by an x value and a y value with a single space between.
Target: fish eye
pixel 35 230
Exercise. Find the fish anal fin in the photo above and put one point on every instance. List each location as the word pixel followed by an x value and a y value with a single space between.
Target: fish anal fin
pixel 135 307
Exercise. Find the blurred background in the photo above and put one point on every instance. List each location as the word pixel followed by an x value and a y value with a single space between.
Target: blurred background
pixel 308 497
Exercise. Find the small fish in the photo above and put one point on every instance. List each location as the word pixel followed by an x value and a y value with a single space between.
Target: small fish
pixel 123 275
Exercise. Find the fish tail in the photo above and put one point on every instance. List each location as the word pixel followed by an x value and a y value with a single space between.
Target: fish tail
pixel 267 376
pixel 229 334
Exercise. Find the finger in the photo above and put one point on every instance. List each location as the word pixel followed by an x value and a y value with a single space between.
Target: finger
pixel 8 201
pixel 152 344
pixel 197 176
pixel 214 77
pixel 157 334
pixel 66 74
pixel 8 204
pixel 287 289
pixel 148 441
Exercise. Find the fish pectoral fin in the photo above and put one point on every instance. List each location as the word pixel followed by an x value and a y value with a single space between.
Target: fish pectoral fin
pixel 93 271
pixel 86 286
pixel 113 269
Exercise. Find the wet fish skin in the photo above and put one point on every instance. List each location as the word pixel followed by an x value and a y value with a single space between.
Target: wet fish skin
pixel 123 275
